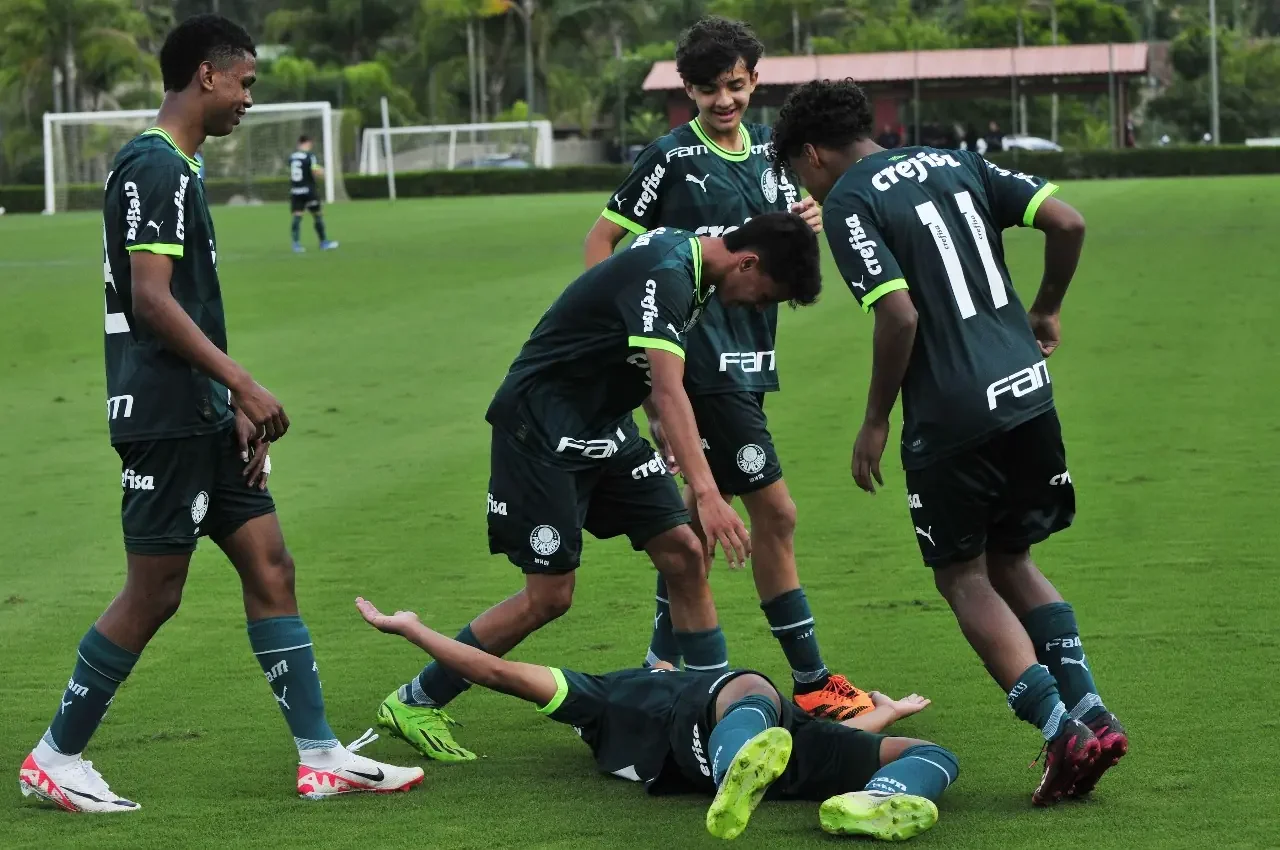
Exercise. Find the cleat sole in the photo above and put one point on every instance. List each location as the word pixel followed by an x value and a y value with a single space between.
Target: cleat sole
pixel 756 766
pixel 894 818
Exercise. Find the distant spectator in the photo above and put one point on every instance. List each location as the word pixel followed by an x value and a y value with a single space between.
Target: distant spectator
pixel 889 138
pixel 995 138
pixel 1130 137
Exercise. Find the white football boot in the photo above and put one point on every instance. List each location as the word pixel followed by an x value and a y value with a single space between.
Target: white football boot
pixel 72 784
pixel 327 773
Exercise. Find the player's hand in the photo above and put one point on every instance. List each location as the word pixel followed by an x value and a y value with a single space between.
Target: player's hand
pixel 253 451
pixel 659 436
pixel 809 210
pixel 867 451
pixel 721 524
pixel 901 708
pixel 263 410
pixel 1048 331
pixel 392 624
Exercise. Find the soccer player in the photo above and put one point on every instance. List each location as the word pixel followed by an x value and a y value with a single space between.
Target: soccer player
pixel 566 454
pixel 303 171
pixel 710 176
pixel 192 429
pixel 916 233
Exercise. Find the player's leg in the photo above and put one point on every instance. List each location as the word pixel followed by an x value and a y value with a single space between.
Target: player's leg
pixel 533 518
pixel 1041 502
pixel 900 799
pixel 952 503
pixel 749 751
pixel 637 496
pixel 297 205
pixel 162 482
pixel 317 218
pixel 243 522
pixel 663 646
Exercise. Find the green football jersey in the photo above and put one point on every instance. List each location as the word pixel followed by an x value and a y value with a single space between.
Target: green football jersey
pixel 155 203
pixel 571 391
pixel 931 221
pixel 685 180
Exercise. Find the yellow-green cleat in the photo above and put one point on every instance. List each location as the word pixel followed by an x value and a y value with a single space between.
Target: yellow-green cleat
pixel 760 761
pixel 889 817
pixel 425 728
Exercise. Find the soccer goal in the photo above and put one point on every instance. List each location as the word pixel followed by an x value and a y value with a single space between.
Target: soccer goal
pixel 249 166
pixel 445 147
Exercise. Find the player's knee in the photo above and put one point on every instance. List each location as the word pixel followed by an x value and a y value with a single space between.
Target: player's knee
pixel 954 580
pixel 681 557
pixel 774 517
pixel 271 585
pixel 155 598
pixel 549 602
pixel 749 684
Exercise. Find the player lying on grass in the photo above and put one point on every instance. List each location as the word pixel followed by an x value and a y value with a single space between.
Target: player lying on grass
pixel 649 725
pixel 916 233
pixel 566 455
pixel 710 176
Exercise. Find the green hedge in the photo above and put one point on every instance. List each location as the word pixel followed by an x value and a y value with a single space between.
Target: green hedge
pixel 1069 165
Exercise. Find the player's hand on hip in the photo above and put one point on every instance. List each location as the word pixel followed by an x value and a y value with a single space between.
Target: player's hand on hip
pixel 721 524
pixel 263 410
pixel 867 451
pixel 660 443
pixel 1048 330
pixel 809 210
pixel 392 624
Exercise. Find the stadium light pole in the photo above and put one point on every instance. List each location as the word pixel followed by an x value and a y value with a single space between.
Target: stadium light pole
pixel 1214 116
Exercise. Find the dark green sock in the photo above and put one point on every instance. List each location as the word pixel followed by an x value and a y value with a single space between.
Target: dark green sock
pixel 704 651
pixel 663 645
pixel 792 624
pixel 282 646
pixel 1054 631
pixel 1034 698
pixel 925 770
pixel 100 668
pixel 296 228
pixel 319 223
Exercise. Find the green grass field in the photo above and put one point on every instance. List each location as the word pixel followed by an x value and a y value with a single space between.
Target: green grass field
pixel 385 355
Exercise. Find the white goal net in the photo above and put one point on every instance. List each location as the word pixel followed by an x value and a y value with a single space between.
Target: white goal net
pixel 446 147
pixel 249 166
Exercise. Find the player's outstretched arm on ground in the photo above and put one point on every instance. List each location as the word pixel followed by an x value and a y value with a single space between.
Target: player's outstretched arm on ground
pixel 893 340
pixel 155 306
pixel 602 239
pixel 720 523
pixel 886 712
pixel 531 682
pixel 1063 229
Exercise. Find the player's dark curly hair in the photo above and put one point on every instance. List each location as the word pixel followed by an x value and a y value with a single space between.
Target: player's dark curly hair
pixel 713 46
pixel 788 252
pixel 829 113
pixel 201 38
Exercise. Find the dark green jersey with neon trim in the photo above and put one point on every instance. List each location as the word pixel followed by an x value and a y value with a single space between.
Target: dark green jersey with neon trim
pixel 154 202
pixel 685 180
pixel 931 221
pixel 584 368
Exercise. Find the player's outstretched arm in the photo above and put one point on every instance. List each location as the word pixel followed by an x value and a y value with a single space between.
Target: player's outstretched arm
pixel 894 338
pixel 886 712
pixel 720 523
pixel 531 682
pixel 155 306
pixel 603 237
pixel 1063 229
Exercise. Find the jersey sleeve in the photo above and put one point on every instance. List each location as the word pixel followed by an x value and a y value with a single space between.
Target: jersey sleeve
pixel 637 204
pixel 152 191
pixel 654 307
pixel 1014 196
pixel 865 262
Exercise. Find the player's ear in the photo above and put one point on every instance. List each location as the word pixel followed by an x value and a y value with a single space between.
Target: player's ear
pixel 811 156
pixel 747 262
pixel 204 75
pixel 688 90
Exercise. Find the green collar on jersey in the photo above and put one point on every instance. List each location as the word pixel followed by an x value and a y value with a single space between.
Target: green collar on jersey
pixel 696 245
pixel 732 156
pixel 156 131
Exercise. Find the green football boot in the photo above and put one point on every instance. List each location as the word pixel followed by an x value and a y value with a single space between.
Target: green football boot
pixel 889 817
pixel 425 728
pixel 755 767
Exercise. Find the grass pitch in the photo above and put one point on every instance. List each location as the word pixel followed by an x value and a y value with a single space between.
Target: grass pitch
pixel 385 354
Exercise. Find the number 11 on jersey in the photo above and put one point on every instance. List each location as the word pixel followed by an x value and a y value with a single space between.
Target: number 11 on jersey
pixel 931 218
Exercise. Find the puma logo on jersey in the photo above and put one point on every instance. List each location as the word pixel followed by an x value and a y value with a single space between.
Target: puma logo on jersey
pixel 927 535
pixel 151 223
pixel 689 178
pixel 618 199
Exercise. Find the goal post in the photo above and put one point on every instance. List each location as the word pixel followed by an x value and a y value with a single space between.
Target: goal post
pixel 447 147
pixel 79 148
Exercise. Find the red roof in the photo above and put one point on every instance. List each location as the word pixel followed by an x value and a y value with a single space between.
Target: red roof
pixel 1070 60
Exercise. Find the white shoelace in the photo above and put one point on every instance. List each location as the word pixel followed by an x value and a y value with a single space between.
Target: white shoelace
pixel 91 777
pixel 368 737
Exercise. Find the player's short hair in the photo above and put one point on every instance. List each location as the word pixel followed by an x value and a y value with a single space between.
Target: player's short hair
pixel 828 113
pixel 302 140
pixel 713 46
pixel 201 38
pixel 788 252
